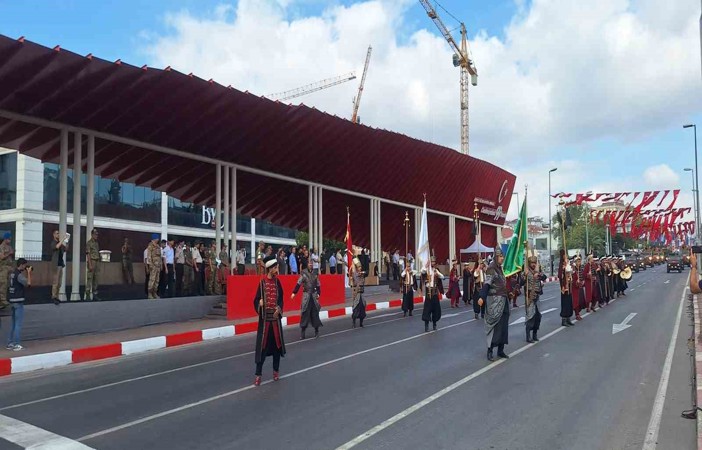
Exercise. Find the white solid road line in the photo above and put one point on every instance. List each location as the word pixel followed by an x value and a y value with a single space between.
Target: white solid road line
pixel 30 437
pixel 251 386
pixel 654 424
pixel 417 406
pixel 178 369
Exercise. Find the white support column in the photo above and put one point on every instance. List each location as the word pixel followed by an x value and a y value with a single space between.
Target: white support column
pixel 373 249
pixel 253 241
pixel 379 221
pixel 320 226
pixel 233 247
pixel 90 188
pixel 164 215
pixel 218 209
pixel 310 211
pixel 452 237
pixel 225 211
pixel 63 202
pixel 77 160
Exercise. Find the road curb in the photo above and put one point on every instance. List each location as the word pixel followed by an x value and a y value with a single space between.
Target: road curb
pixel 698 364
pixel 29 363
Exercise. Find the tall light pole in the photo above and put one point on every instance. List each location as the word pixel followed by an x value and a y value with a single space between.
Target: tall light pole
pixel 694 195
pixel 587 220
pixel 697 185
pixel 550 218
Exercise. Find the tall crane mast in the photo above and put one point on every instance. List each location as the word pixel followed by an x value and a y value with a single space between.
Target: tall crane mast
pixel 313 87
pixel 357 100
pixel 461 58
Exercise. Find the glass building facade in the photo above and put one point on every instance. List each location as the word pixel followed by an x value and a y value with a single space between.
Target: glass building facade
pixel 8 181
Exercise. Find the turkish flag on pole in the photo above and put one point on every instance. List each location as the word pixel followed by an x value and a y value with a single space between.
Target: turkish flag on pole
pixel 347 239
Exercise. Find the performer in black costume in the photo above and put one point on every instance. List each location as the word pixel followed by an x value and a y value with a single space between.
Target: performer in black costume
pixel 565 276
pixel 494 296
pixel 479 277
pixel 433 288
pixel 309 308
pixel 358 282
pixel 532 280
pixel 409 285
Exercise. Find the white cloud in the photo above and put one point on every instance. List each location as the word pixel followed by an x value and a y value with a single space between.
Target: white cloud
pixel 661 176
pixel 567 73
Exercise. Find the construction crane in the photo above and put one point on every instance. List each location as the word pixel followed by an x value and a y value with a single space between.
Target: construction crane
pixel 357 99
pixel 461 58
pixel 313 87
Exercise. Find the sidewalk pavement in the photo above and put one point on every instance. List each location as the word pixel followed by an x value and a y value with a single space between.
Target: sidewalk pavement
pixel 698 363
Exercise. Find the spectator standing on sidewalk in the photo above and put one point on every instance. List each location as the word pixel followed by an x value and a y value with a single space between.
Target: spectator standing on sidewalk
pixel 188 270
pixel 241 261
pixel 199 281
pixel 292 261
pixel 314 257
pixel 7 256
pixel 127 267
pixel 20 279
pixel 179 267
pixel 332 263
pixel 58 249
pixel 169 260
pixel 92 262
pixel 153 265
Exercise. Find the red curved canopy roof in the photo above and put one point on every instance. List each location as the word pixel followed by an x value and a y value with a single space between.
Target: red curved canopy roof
pixel 199 117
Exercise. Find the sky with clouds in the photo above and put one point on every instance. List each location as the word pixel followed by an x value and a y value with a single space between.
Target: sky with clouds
pixel 598 89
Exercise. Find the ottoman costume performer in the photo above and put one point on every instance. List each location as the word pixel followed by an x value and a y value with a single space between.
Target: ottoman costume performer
pixel 433 288
pixel 591 284
pixel 454 291
pixel 409 285
pixel 268 303
pixel 468 284
pixel 578 288
pixel 533 280
pixel 358 281
pixel 479 277
pixel 309 308
pixel 565 275
pixel 494 296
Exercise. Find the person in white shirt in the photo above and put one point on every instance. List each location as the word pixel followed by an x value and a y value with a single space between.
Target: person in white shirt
pixel 315 261
pixel 146 268
pixel 396 265
pixel 241 261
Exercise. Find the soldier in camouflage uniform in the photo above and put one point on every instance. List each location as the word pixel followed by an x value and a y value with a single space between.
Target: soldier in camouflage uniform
pixel 92 262
pixel 154 262
pixel 188 271
pixel 7 265
pixel 211 270
pixel 223 270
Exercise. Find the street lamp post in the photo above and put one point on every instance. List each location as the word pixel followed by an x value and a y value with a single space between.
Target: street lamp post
pixel 694 196
pixel 697 185
pixel 550 218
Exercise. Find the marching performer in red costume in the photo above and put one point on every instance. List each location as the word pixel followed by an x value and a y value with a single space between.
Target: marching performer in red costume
pixel 592 288
pixel 268 303
pixel 454 292
pixel 578 288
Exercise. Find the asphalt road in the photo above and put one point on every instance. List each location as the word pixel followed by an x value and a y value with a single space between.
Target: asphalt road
pixel 386 386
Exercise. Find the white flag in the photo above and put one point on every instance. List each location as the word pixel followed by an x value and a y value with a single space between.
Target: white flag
pixel 423 255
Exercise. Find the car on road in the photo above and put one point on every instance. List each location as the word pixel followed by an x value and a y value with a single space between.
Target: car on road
pixel 648 260
pixel 674 262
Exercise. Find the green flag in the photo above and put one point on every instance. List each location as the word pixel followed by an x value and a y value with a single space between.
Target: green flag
pixel 514 259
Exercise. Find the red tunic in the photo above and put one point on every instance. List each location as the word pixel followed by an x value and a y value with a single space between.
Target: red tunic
pixel 590 282
pixel 577 290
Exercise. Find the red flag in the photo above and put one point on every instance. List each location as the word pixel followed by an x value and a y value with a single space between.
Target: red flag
pixel 347 239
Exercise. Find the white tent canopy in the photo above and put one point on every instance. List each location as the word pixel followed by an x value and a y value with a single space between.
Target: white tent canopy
pixel 477 247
